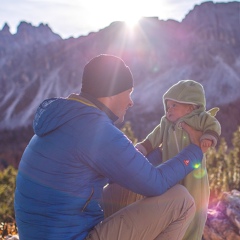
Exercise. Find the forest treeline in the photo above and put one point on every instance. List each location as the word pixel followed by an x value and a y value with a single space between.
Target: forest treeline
pixel 223 165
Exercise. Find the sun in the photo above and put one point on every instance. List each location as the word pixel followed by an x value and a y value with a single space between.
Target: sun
pixel 132 21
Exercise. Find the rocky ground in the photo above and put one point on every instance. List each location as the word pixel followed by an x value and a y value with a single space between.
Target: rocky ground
pixel 223 222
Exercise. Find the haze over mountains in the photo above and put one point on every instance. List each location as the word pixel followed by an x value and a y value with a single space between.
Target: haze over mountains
pixel 36 63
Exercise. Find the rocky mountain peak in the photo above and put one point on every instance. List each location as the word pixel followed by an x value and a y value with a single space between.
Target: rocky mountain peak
pixel 28 34
pixel 215 22
pixel 5 30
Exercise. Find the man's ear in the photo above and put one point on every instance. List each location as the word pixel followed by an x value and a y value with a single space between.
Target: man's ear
pixel 105 100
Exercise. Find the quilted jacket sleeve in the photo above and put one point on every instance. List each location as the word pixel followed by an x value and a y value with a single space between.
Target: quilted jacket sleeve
pixel 115 157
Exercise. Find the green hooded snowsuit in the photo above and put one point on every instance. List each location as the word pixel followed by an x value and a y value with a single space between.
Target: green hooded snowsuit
pixel 172 139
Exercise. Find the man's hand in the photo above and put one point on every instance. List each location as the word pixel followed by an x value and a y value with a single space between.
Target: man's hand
pixel 193 134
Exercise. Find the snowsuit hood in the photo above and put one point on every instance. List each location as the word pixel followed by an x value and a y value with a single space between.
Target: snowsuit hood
pixel 188 92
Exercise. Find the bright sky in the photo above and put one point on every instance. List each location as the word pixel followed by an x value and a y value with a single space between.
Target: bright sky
pixel 79 17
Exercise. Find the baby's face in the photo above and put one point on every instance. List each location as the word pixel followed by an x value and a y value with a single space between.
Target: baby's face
pixel 177 110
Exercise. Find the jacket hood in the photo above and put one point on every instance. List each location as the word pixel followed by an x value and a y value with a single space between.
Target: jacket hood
pixel 188 92
pixel 54 112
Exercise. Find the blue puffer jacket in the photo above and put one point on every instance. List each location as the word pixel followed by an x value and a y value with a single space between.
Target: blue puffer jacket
pixel 75 152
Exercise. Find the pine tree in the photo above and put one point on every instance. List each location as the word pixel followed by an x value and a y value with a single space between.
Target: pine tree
pixel 223 165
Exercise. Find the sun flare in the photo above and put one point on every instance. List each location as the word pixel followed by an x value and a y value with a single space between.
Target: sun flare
pixel 108 11
pixel 132 21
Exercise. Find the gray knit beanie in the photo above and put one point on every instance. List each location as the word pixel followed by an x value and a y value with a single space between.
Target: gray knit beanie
pixel 106 75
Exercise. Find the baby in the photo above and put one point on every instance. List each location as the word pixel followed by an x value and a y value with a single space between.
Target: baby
pixel 185 102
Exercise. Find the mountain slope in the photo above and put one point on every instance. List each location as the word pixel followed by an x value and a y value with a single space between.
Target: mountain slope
pixel 36 64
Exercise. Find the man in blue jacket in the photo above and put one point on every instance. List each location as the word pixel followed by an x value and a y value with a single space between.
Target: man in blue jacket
pixel 77 150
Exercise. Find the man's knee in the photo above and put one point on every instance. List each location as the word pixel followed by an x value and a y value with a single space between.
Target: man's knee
pixel 183 193
pixel 185 197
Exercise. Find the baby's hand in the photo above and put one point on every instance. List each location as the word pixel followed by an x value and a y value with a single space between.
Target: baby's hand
pixel 206 144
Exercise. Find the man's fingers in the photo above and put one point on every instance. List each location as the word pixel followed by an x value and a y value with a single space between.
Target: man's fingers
pixel 194 135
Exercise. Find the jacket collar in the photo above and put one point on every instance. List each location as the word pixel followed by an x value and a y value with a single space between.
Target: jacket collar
pixel 99 105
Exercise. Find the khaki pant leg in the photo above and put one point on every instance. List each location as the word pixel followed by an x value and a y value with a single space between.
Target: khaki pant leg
pixel 116 197
pixel 164 217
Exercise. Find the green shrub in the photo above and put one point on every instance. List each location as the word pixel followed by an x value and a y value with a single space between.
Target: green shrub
pixel 7 188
